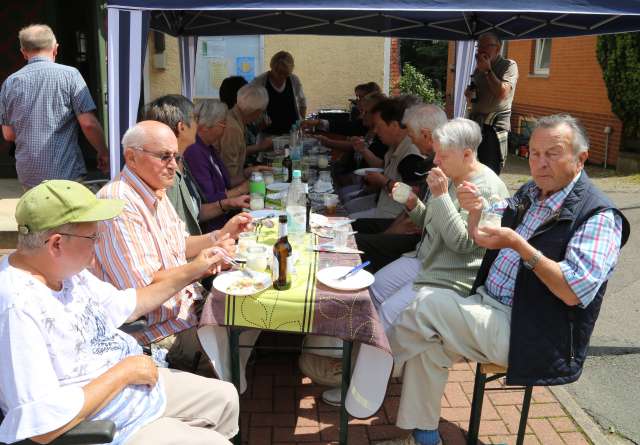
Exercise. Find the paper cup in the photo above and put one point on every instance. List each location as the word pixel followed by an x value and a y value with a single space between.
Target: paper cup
pixel 401 193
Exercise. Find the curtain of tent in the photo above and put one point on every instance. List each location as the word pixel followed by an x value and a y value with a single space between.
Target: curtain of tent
pixel 127 44
pixel 188 47
pixel 465 65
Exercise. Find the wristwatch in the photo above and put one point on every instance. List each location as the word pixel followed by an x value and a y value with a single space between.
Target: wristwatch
pixel 531 263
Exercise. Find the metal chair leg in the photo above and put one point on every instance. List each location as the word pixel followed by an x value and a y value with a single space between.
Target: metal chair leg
pixel 234 349
pixel 476 406
pixel 346 381
pixel 524 415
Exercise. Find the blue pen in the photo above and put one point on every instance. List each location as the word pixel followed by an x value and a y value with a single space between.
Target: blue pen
pixel 355 269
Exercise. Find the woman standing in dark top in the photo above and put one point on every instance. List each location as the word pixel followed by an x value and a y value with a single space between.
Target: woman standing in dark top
pixel 287 103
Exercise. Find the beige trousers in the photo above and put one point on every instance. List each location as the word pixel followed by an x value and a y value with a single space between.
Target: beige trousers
pixel 200 411
pixel 434 332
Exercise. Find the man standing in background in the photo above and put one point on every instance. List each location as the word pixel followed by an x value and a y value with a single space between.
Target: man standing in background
pixel 490 96
pixel 42 106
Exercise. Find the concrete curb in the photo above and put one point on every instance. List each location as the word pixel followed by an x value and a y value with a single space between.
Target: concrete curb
pixel 584 421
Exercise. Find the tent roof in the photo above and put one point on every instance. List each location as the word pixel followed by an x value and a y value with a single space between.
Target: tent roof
pixel 417 19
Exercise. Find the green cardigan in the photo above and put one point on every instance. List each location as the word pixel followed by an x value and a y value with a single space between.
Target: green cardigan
pixel 450 258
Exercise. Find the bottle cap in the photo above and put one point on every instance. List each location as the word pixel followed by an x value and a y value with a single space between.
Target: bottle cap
pixel 297 174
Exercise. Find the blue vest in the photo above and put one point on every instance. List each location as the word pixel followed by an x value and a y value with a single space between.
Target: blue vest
pixel 549 340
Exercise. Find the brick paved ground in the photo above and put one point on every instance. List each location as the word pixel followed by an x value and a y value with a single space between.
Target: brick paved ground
pixel 283 407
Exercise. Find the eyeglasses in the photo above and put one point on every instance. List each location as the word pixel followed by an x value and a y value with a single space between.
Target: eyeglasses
pixel 164 157
pixel 95 237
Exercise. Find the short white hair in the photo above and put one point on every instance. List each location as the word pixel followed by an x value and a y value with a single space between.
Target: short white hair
pixel 35 240
pixel 459 134
pixel 135 136
pixel 210 111
pixel 252 98
pixel 424 116
pixel 36 38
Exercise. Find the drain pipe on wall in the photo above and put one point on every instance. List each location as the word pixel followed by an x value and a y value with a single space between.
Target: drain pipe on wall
pixel 607 132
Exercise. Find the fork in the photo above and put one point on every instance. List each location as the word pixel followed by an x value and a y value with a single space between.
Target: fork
pixel 236 265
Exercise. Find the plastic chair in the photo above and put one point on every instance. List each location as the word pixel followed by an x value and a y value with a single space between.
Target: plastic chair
pixel 497 372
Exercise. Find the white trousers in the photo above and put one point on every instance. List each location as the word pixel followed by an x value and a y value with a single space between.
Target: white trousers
pixel 393 289
pixel 435 331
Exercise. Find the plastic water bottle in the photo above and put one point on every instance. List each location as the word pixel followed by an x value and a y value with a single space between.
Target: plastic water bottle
pixel 296 207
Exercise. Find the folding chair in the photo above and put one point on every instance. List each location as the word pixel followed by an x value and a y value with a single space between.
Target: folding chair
pixel 497 372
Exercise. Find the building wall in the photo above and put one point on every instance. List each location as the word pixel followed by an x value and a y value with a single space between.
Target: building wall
pixel 328 66
pixel 574 85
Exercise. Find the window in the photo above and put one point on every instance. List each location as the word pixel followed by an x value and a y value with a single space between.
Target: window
pixel 543 57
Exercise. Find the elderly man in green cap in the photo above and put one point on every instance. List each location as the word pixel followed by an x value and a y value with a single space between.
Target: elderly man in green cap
pixel 64 358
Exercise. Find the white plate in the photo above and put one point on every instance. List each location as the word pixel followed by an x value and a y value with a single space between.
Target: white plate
pixel 263 213
pixel 318 220
pixel 278 186
pixel 364 171
pixel 359 280
pixel 225 282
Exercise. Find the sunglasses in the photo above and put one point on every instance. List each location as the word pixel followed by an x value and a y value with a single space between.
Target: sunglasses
pixel 164 157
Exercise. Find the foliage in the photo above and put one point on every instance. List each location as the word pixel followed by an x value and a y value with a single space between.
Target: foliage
pixel 429 57
pixel 414 82
pixel 619 57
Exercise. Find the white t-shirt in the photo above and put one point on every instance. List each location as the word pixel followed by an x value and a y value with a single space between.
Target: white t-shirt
pixel 52 343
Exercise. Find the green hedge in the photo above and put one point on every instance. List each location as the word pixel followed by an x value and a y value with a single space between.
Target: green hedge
pixel 619 57
pixel 414 82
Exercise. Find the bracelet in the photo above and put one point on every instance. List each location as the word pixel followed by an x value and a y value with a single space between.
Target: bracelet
pixel 220 205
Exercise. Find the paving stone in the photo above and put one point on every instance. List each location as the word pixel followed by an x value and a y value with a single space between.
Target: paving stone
pixel 546 410
pixel 455 395
pixel 384 432
pixel 296 434
pixel 563 424
pixel 511 417
pixel 574 438
pixel 545 432
pixel 260 436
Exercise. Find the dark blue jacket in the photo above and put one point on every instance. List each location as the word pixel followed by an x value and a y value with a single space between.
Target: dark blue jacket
pixel 549 340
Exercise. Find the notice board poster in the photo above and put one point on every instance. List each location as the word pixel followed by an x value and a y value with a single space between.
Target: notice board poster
pixel 221 57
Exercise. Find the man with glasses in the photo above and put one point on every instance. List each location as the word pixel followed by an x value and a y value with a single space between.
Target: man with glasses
pixel 495 81
pixel 64 358
pixel 148 241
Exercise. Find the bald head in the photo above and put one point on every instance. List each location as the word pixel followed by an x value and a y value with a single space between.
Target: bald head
pixel 150 150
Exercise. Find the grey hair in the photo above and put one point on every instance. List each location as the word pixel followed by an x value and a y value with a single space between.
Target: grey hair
pixel 252 98
pixel 135 136
pixel 36 38
pixel 579 138
pixel 424 116
pixel 210 111
pixel 170 109
pixel 35 240
pixel 459 134
pixel 492 35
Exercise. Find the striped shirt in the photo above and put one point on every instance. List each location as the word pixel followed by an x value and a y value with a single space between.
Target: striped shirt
pixel 146 237
pixel 40 103
pixel 591 254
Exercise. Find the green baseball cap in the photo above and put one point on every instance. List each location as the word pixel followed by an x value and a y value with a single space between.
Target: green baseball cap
pixel 57 202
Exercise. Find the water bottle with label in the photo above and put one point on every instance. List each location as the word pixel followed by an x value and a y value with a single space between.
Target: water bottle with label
pixel 296 207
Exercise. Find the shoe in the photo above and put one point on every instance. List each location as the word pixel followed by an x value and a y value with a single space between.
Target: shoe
pixel 332 396
pixel 322 370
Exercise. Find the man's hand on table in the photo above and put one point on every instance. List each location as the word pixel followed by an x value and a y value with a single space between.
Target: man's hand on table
pixel 237 202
